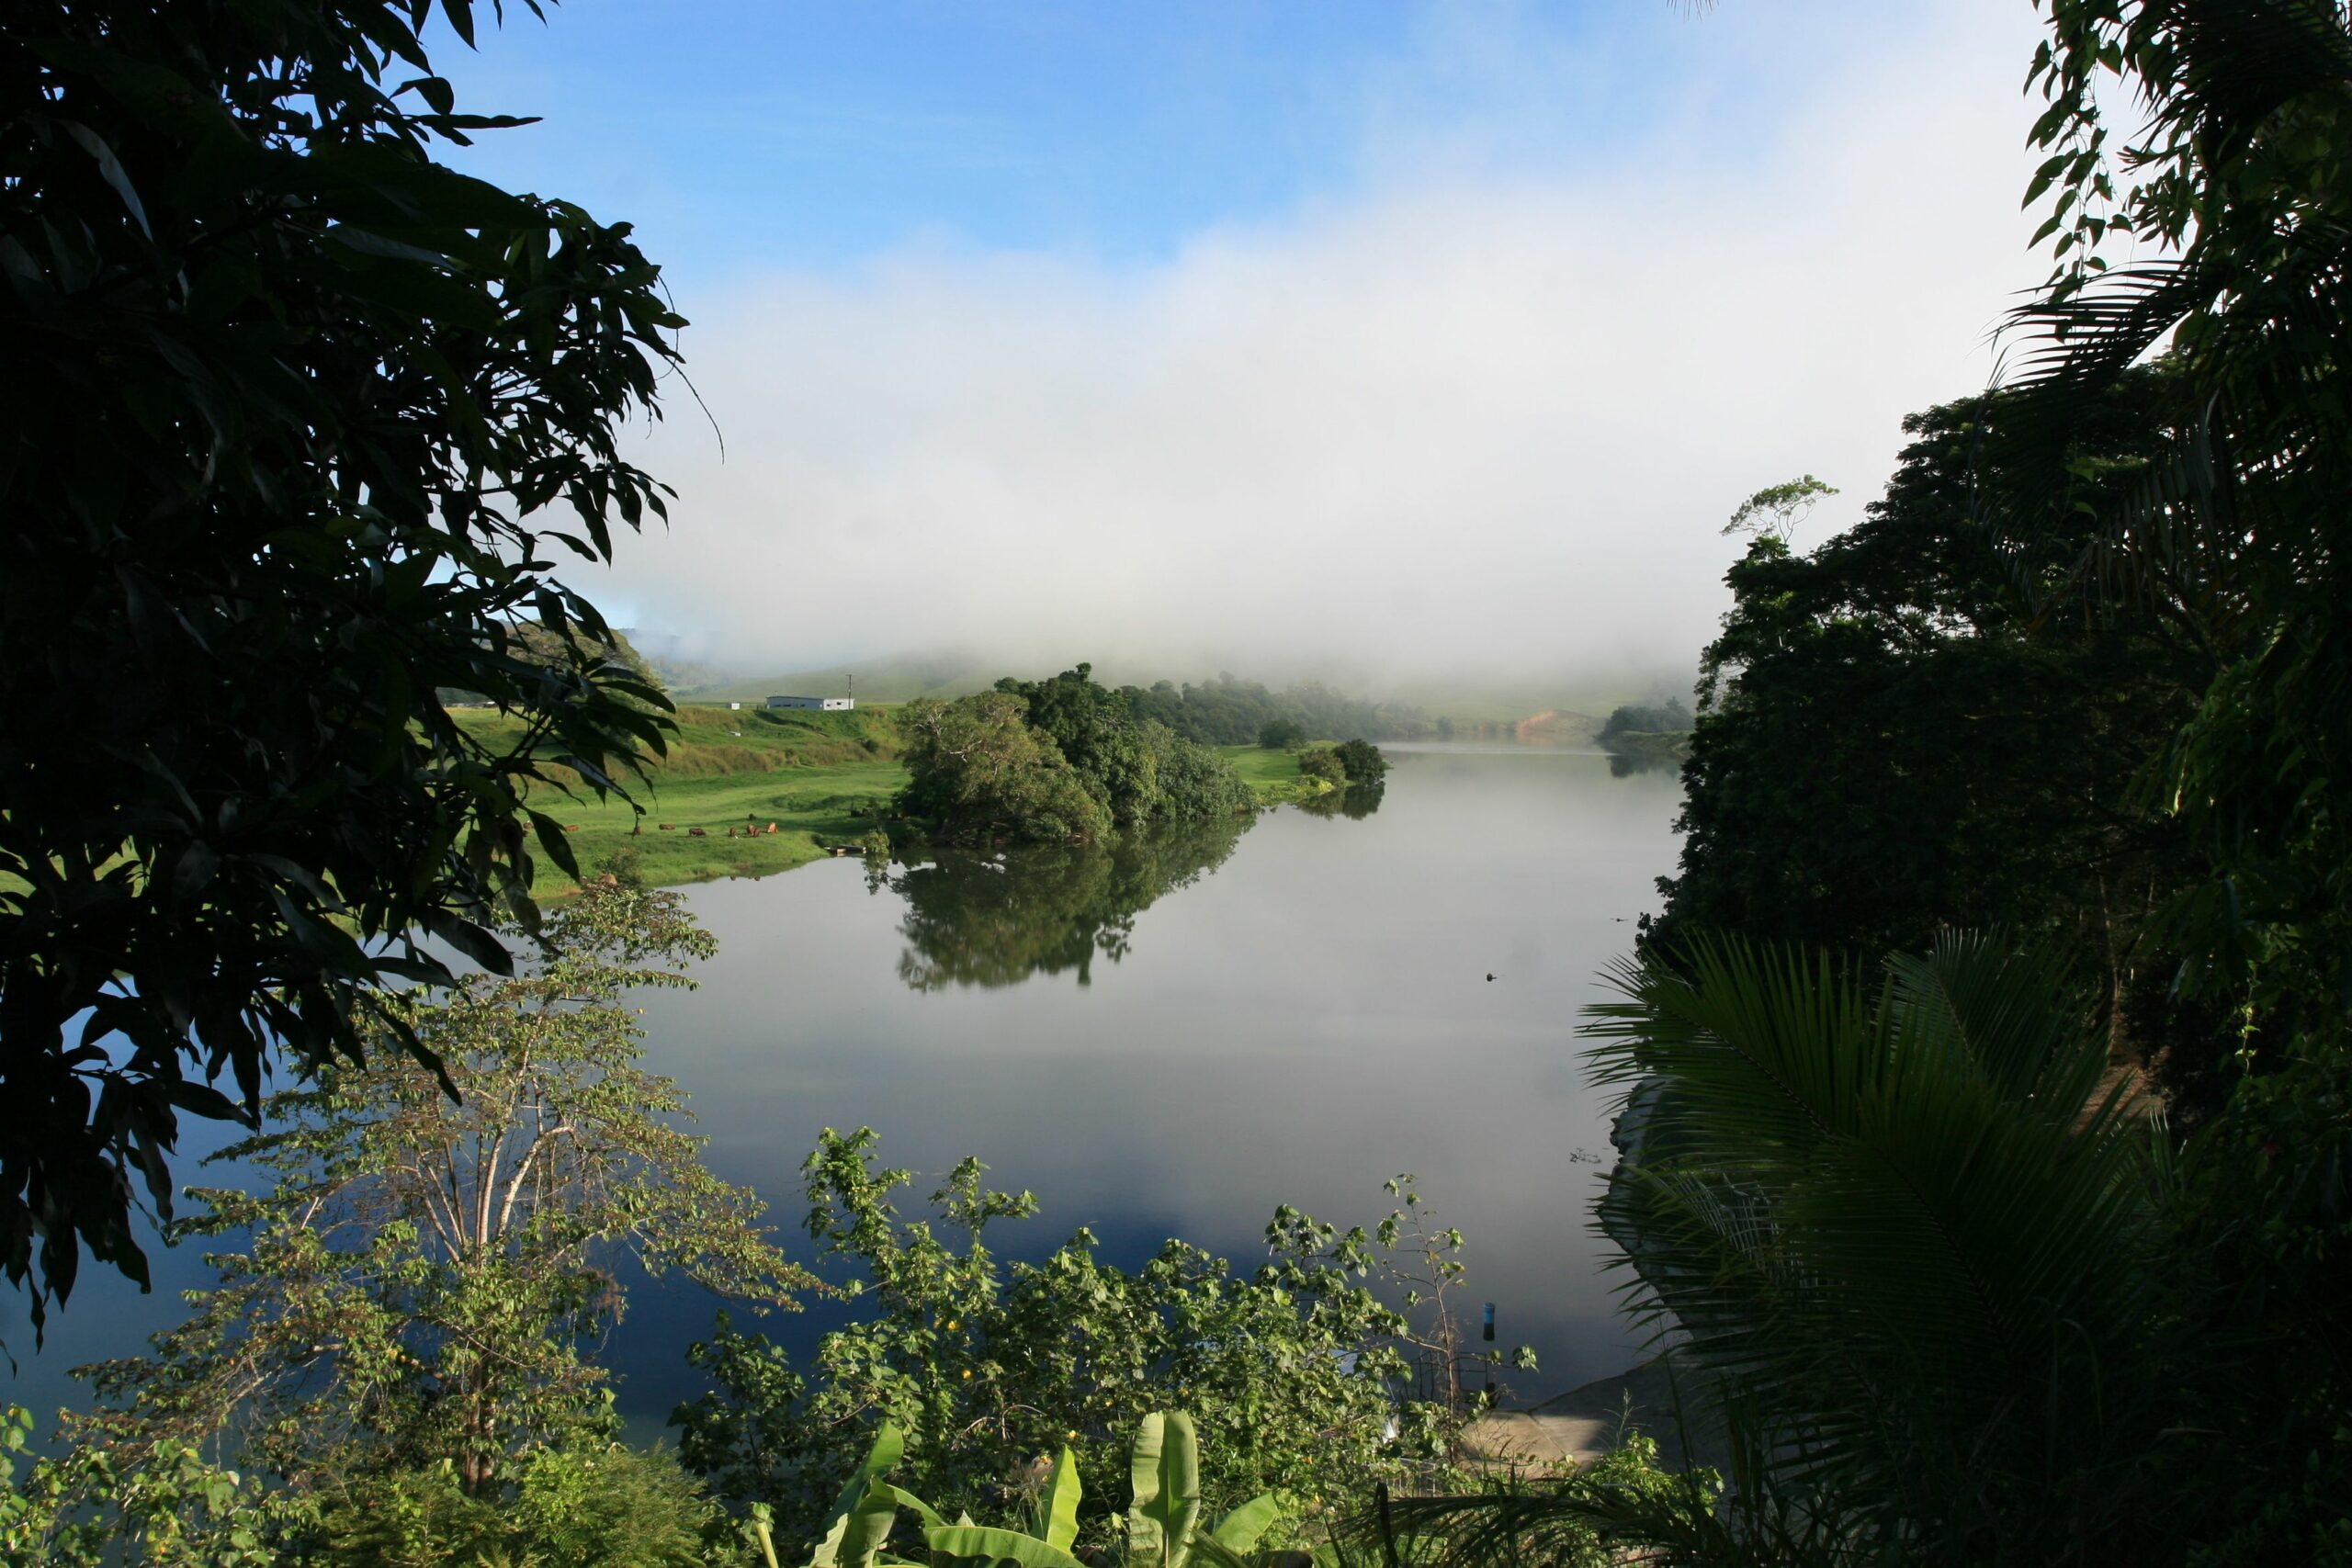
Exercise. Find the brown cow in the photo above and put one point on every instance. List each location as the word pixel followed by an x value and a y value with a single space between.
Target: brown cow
pixel 697 833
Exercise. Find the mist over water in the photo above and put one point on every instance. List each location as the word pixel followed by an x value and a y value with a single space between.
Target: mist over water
pixel 1293 1023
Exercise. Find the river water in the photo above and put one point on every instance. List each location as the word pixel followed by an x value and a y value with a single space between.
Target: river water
pixel 1174 1040
pixel 1171 1040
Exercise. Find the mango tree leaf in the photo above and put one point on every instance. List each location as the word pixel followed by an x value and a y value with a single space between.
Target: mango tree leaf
pixel 111 169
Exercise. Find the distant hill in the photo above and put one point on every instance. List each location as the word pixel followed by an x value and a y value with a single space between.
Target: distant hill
pixel 662 652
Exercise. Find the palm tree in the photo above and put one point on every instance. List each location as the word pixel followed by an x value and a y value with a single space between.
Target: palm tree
pixel 1899 1238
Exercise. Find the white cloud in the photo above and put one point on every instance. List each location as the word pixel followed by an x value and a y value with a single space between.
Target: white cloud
pixel 1475 416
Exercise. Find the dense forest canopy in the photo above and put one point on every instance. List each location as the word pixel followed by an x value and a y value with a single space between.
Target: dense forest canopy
pixel 1230 712
pixel 1890 744
pixel 1056 761
pixel 1671 716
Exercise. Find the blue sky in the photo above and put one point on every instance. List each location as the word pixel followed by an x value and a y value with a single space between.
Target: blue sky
pixel 809 135
pixel 1374 340
pixel 748 132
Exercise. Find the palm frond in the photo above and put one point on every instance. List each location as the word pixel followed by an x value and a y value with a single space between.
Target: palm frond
pixel 1895 1233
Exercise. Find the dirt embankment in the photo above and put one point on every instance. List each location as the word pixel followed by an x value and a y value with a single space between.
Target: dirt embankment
pixel 1557 726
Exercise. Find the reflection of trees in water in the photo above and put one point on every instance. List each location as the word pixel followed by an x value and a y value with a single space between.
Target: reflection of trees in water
pixel 1623 764
pixel 1354 802
pixel 975 922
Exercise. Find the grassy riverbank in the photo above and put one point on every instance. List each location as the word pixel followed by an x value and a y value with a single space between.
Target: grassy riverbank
pixel 1273 776
pixel 818 778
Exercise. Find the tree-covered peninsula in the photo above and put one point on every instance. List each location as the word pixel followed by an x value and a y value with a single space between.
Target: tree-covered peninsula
pixel 1056 761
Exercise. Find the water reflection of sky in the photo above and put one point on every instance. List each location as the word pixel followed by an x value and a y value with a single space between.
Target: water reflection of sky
pixel 107 1316
pixel 1307 1020
pixel 1309 1016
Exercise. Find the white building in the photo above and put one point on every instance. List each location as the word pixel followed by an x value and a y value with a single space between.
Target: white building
pixel 830 705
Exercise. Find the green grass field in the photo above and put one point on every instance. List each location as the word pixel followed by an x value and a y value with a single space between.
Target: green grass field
pixel 817 777
pixel 1273 776
pixel 811 807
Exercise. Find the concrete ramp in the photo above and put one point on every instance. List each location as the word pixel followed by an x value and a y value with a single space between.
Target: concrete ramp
pixel 1580 1426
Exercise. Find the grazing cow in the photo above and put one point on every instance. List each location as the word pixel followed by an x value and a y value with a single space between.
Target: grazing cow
pixel 697 833
pixel 571 826
pixel 773 829
pixel 667 827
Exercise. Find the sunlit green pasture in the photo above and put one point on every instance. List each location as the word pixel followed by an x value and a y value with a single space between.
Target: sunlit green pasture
pixel 808 808
pixel 1273 776
pixel 817 778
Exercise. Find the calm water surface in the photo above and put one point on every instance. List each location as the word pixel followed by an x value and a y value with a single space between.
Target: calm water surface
pixel 1168 1041
pixel 1302 1014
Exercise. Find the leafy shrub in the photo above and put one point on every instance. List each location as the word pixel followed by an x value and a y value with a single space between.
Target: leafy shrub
pixel 178 1508
pixel 1195 783
pixel 986 1369
pixel 979 771
pixel 1323 762
pixel 1364 761
pixel 589 1505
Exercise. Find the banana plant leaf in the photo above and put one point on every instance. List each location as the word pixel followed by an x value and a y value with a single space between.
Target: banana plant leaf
pixel 975 1542
pixel 1061 1503
pixel 1238 1531
pixel 1166 1473
pixel 880 1460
